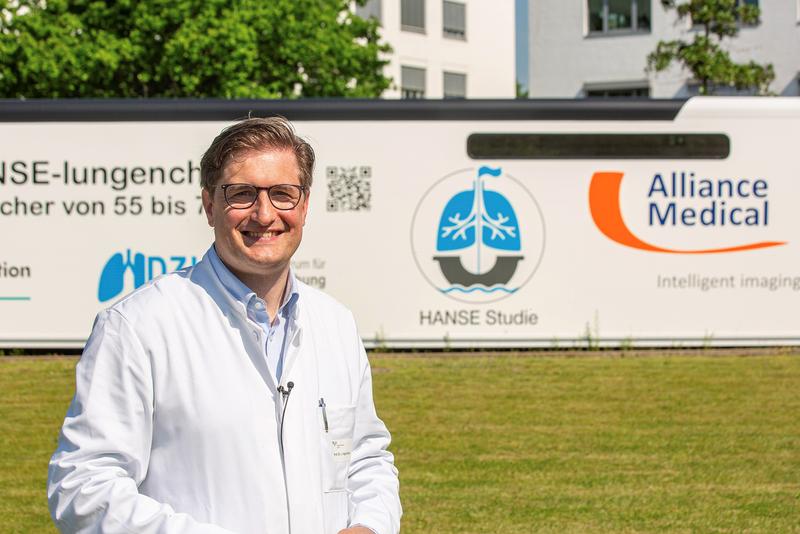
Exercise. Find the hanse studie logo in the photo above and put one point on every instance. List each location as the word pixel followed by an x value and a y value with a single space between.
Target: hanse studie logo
pixel 477 235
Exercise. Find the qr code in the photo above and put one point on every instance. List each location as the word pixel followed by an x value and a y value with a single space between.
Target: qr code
pixel 349 188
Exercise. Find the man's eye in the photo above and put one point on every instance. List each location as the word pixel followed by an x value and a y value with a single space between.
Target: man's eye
pixel 241 194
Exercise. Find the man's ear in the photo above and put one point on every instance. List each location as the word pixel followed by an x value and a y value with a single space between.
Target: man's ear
pixel 208 206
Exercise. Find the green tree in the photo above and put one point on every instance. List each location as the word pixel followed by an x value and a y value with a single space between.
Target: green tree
pixel 188 48
pixel 520 91
pixel 704 57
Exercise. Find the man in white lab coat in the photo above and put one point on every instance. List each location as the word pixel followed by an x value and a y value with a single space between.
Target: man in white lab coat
pixel 229 397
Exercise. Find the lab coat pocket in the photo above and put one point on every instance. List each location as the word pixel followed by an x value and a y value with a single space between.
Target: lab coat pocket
pixel 338 424
pixel 336 511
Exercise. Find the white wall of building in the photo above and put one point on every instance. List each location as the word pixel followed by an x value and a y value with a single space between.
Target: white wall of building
pixel 565 58
pixel 486 56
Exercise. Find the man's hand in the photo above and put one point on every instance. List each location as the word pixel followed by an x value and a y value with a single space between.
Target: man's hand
pixel 357 530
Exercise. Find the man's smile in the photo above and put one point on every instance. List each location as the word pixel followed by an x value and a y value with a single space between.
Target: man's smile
pixel 260 235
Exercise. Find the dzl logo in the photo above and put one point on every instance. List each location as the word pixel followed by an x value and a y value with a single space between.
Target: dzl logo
pixel 136 268
pixel 477 236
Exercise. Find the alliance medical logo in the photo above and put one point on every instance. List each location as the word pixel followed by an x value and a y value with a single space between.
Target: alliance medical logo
pixel 683 200
pixel 477 235
pixel 130 270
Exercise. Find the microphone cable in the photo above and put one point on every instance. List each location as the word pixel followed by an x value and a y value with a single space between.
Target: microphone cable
pixel 285 392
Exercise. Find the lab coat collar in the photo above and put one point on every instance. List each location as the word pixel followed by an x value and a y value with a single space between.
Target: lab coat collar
pixel 204 275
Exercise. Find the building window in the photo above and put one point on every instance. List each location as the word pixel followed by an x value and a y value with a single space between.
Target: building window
pixel 412 82
pixel 754 3
pixel 633 92
pixel 736 5
pixel 455 85
pixel 372 9
pixel 693 88
pixel 454 17
pixel 412 15
pixel 619 16
pixel 629 89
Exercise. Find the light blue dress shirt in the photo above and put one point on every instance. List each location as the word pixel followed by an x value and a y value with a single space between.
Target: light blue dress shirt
pixel 275 332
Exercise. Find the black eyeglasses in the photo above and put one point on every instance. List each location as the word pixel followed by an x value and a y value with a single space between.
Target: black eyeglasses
pixel 282 196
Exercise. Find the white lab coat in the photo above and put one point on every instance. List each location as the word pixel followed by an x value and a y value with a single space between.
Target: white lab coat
pixel 175 424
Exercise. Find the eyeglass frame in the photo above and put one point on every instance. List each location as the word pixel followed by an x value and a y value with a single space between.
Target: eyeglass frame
pixel 258 189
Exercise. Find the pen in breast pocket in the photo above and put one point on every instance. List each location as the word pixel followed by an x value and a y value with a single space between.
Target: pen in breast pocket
pixel 324 413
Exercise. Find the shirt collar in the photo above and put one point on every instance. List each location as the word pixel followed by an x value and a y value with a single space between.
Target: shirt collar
pixel 244 294
pixel 290 296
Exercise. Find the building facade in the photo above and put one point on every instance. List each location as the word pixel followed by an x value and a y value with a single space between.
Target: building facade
pixel 447 48
pixel 586 48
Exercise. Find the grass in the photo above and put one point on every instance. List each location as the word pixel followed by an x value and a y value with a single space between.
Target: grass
pixel 34 394
pixel 527 444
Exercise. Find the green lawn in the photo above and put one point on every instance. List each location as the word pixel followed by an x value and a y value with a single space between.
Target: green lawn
pixel 527 444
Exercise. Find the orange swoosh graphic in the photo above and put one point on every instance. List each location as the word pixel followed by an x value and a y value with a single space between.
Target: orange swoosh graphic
pixel 605 208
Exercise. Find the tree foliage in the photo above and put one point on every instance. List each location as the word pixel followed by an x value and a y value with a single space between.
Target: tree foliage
pixel 188 48
pixel 709 63
pixel 521 92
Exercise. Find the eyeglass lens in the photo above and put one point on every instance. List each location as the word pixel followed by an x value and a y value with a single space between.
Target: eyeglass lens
pixel 282 196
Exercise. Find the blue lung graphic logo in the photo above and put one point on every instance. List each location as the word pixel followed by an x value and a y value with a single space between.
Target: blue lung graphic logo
pixel 112 279
pixel 138 266
pixel 479 219
pixel 478 234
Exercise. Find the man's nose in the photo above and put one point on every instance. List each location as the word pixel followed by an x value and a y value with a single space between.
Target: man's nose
pixel 263 210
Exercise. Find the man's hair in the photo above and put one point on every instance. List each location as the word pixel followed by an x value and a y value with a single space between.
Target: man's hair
pixel 255 135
